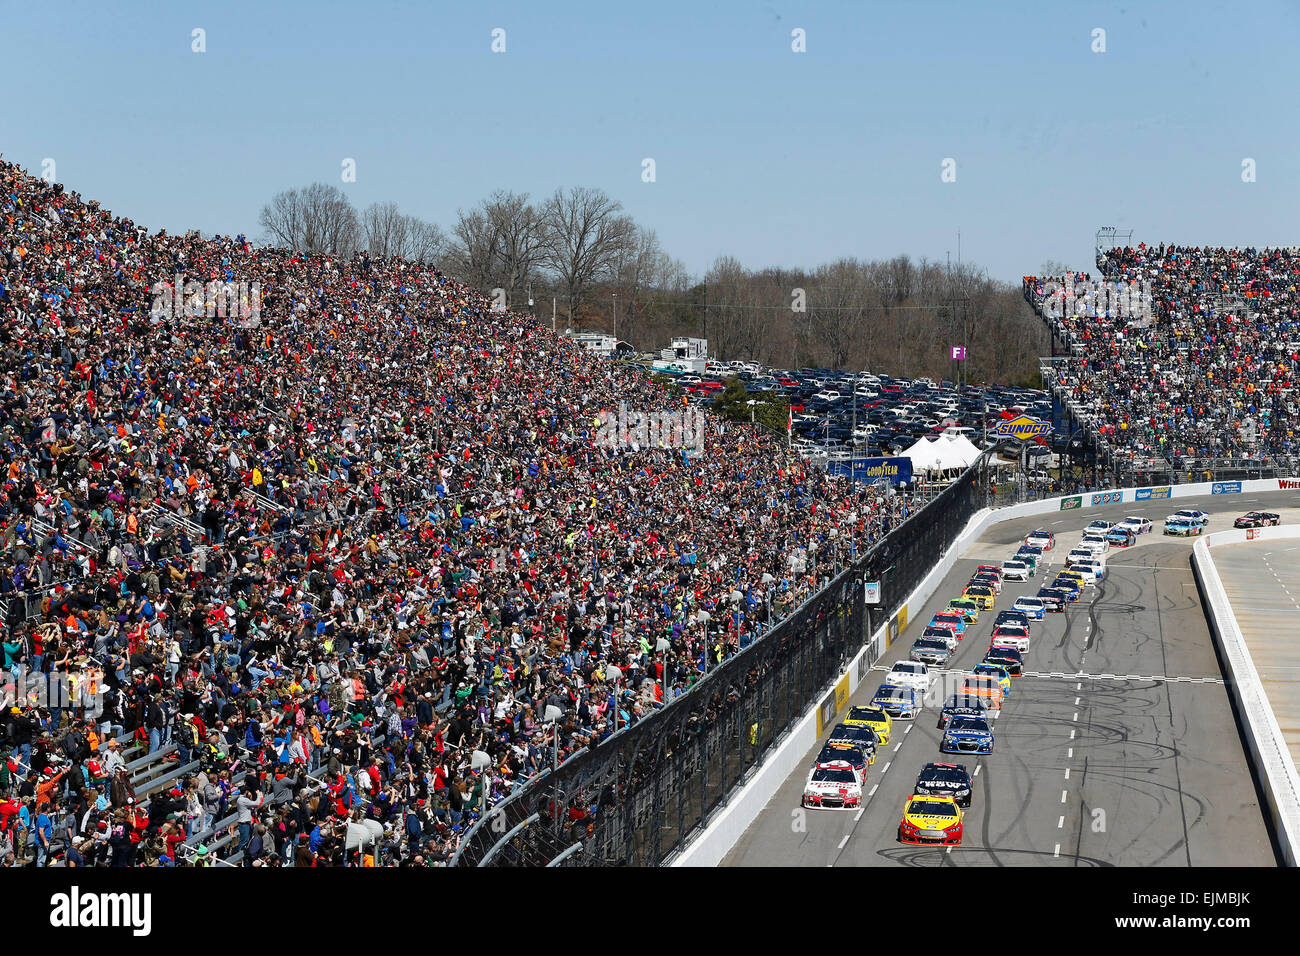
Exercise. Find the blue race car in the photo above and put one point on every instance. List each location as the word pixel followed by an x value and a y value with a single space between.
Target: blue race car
pixel 967 735
pixel 897 700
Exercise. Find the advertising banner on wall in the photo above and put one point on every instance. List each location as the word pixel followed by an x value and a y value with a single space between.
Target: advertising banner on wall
pixel 896 470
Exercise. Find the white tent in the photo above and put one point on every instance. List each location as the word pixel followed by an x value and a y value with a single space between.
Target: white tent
pixel 924 456
pixel 964 450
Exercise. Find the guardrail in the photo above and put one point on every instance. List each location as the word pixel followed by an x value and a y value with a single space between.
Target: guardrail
pixel 1265 741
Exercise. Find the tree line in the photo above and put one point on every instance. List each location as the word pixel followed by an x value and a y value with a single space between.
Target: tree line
pixel 579 247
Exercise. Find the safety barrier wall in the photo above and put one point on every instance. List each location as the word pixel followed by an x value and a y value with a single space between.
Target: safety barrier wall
pixel 731 821
pixel 1269 753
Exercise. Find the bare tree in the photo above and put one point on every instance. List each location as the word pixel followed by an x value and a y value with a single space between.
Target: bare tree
pixel 518 229
pixel 388 232
pixel 584 237
pixel 475 252
pixel 317 219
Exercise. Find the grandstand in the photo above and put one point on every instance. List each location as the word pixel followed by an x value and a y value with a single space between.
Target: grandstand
pixel 348 574
pixel 1180 362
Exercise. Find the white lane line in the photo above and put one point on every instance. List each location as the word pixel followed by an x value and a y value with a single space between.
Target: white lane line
pixel 1071 734
pixel 1067 773
pixel 885 769
pixel 1057 852
pixel 949 851
pixel 1078 686
pixel 1064 795
pixel 978 769
pixel 1076 715
pixel 897 745
pixel 874 788
pixel 1069 753
pixel 858 816
pixel 844 841
pixel 1060 822
pixel 907 730
pixel 1076 701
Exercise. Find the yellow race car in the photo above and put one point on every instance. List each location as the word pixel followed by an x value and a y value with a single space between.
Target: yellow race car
pixel 932 820
pixel 872 717
pixel 967 607
pixel 983 595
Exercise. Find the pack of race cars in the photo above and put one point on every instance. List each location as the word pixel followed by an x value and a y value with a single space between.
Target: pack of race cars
pixel 933 813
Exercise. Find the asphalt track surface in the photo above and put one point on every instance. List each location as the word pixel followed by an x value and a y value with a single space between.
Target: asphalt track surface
pixel 1262 581
pixel 1138 762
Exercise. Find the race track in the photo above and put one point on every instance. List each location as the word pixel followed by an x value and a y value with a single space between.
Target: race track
pixel 1137 762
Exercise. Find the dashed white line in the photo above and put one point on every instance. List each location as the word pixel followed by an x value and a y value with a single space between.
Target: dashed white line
pixel 1067 773
pixel 907 730
pixel 1076 715
pixel 874 788
pixel 1071 734
pixel 844 841
pixel 885 768
pixel 949 851
pixel 1078 686
pixel 1069 753
pixel 1060 823
pixel 1076 701
pixel 1064 795
pixel 1057 851
pixel 977 770
pixel 897 745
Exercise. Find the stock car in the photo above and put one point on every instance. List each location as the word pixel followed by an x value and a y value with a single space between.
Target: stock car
pixel 993 569
pixel 931 820
pixel 1136 524
pixel 988 689
pixel 1098 527
pixel 931 650
pixel 993 672
pixel 964 705
pixel 1080 554
pixel 1011 635
pixel 984 595
pixel 947 635
pixel 1012 616
pixel 1032 607
pixel 873 718
pixel 1095 543
pixel 952 620
pixel 945 780
pixel 1182 528
pixel 897 701
pixel 1082 574
pixel 967 735
pixel 850 737
pixel 1017 570
pixel 1257 519
pixel 1069 587
pixel 969 609
pixel 1042 539
pixel 855 757
pixel 992 581
pixel 1008 658
pixel 833 786
pixel 1028 557
pixel 1054 599
pixel 910 674
pixel 1190 514
pixel 1094 569
pixel 1121 537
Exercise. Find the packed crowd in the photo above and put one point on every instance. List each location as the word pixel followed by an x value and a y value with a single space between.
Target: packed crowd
pixel 1209 374
pixel 356 565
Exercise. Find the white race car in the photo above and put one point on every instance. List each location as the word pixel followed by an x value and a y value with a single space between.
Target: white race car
pixel 1016 571
pixel 1189 514
pixel 910 674
pixel 1095 543
pixel 1136 525
pixel 1098 527
pixel 833 786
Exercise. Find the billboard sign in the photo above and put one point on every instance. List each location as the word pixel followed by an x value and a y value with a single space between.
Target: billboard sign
pixel 1226 488
pixel 896 471
pixel 1108 498
pixel 1069 504
pixel 959 353
pixel 1022 427
pixel 871 592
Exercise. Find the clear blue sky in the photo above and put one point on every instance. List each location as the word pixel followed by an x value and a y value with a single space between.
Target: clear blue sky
pixel 774 157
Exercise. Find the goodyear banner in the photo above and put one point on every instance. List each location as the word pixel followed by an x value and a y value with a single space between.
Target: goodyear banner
pixel 896 470
pixel 1152 494
pixel 1226 488
pixel 1022 427
pixel 1069 504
